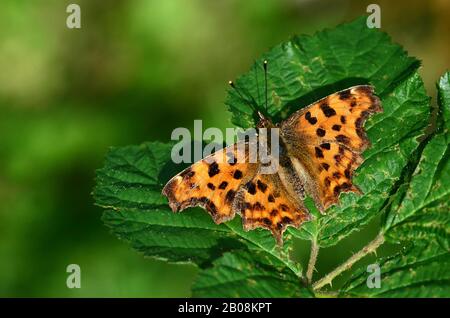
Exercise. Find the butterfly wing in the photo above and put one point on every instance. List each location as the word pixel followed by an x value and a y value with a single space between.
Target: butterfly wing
pixel 212 182
pixel 264 202
pixel 328 137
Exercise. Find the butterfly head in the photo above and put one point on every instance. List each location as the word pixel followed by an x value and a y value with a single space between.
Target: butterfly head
pixel 264 122
pixel 247 98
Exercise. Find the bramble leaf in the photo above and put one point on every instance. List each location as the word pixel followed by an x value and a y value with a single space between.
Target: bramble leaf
pixel 404 176
pixel 420 209
pixel 307 68
pixel 444 98
pixel 249 275
pixel 419 216
pixel 129 187
pixel 418 271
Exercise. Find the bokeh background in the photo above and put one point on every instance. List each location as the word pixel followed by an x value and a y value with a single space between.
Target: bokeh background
pixel 133 72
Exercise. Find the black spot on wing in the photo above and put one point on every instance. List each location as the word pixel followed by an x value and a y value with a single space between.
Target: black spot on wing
pixel 346 186
pixel 188 173
pixel 347 173
pixel 344 95
pixel 229 197
pixel 310 119
pixel 286 220
pixel 258 206
pixel 320 132
pixel 343 139
pixel 223 185
pixel 251 188
pixel 213 169
pixel 365 90
pixel 327 110
pixel 208 204
pixel 237 174
pixel 319 153
pixel 336 190
pixel 261 186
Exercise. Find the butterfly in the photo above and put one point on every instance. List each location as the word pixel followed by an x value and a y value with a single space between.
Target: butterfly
pixel 320 146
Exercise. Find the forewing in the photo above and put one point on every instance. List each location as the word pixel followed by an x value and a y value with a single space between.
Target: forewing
pixel 212 182
pixel 328 138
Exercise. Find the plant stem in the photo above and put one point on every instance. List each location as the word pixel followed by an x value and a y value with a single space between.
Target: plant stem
pixel 312 260
pixel 369 248
pixel 326 294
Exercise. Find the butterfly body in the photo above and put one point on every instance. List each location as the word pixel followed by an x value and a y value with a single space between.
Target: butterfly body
pixel 319 148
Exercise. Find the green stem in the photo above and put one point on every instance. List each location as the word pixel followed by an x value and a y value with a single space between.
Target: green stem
pixel 326 294
pixel 312 260
pixel 369 248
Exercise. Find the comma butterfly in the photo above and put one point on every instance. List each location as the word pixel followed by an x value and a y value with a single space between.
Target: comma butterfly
pixel 320 147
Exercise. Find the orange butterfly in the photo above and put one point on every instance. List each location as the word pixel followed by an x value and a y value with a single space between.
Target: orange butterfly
pixel 320 147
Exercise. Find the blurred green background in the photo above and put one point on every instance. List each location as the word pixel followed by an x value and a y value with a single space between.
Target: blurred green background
pixel 133 72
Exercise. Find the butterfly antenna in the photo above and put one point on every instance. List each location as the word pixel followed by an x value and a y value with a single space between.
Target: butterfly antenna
pixel 265 83
pixel 251 102
pixel 255 73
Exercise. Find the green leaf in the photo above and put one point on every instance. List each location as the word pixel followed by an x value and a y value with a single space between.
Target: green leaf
pixel 420 209
pixel 248 275
pixel 191 237
pixel 418 271
pixel 444 98
pixel 129 187
pixel 419 215
pixel 132 177
pixel 404 176
pixel 423 212
pixel 307 68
